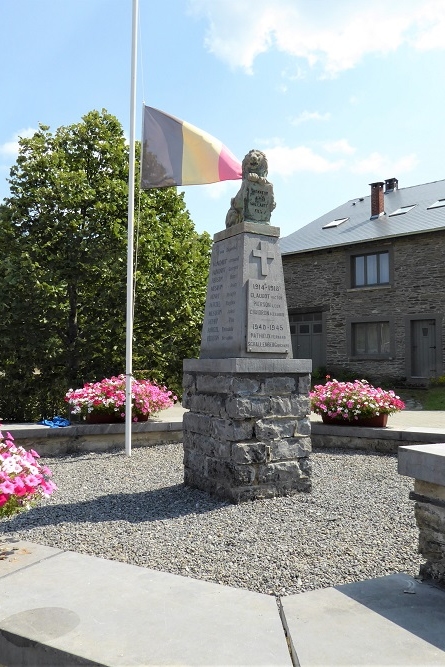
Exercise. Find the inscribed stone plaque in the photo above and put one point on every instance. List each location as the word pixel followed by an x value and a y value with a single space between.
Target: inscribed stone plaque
pixel 267 320
pixel 221 327
pixel 246 273
pixel 259 202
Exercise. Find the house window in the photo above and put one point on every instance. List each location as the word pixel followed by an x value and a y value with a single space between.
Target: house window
pixel 335 223
pixel 438 204
pixel 402 210
pixel 370 338
pixel 370 269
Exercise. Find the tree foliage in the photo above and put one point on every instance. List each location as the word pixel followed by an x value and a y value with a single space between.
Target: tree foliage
pixel 63 234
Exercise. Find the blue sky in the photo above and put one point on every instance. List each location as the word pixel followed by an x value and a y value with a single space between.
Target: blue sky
pixel 337 93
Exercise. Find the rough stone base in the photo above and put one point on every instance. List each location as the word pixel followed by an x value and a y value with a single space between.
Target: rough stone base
pixel 247 435
pixel 430 518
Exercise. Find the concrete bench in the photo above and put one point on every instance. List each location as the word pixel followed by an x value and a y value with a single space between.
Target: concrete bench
pixel 426 464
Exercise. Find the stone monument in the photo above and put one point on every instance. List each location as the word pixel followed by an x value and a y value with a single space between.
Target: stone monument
pixel 247 432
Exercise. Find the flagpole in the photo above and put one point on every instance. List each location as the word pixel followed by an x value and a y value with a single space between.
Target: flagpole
pixel 130 238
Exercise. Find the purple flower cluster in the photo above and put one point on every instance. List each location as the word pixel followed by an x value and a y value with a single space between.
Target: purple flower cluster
pixel 22 479
pixel 353 400
pixel 108 395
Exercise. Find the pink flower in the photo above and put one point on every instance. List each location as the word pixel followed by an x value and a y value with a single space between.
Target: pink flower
pixel 110 393
pixel 7 488
pixel 353 399
pixel 32 481
pixel 21 477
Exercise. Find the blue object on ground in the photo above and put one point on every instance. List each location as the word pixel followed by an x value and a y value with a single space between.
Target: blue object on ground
pixel 55 422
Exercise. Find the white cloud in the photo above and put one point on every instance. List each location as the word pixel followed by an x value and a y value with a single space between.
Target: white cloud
pixel 296 74
pixel 310 115
pixel 10 149
pixel 339 146
pixel 219 190
pixel 381 166
pixel 334 36
pixel 286 161
pixel 431 21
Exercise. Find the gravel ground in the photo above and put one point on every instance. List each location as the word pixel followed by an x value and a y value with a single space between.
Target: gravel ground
pixel 357 523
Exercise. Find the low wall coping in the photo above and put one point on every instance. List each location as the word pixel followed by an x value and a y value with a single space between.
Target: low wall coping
pixel 423 462
pixel 81 430
pixel 408 434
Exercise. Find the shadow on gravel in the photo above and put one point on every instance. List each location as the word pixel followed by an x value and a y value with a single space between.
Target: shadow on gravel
pixel 155 505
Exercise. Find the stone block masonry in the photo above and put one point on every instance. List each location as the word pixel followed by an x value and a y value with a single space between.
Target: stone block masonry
pixel 426 463
pixel 247 433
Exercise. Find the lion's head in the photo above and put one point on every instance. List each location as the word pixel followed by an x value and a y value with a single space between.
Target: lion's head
pixel 255 162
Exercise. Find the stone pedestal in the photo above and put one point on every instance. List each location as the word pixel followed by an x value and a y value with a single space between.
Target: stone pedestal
pixel 247 432
pixel 426 463
pixel 247 435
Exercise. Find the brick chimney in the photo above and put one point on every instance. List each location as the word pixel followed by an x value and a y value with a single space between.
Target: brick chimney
pixel 391 184
pixel 377 200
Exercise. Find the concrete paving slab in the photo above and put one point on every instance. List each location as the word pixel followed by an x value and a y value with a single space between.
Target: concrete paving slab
pixel 15 555
pixel 392 620
pixel 74 609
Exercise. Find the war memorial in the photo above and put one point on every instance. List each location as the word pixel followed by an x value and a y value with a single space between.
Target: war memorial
pixel 247 432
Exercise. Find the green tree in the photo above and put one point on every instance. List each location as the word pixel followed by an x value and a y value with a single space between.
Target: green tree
pixel 63 234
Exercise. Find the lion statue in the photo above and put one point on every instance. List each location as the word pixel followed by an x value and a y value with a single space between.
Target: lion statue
pixel 252 203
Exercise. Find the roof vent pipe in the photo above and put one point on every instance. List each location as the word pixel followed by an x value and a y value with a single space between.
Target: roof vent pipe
pixel 377 201
pixel 391 184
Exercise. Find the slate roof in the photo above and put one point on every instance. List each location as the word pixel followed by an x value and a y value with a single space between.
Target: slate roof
pixel 359 227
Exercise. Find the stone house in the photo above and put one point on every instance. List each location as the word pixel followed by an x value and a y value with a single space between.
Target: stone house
pixel 365 285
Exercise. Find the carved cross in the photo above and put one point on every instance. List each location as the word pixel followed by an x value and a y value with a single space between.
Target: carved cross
pixel 264 254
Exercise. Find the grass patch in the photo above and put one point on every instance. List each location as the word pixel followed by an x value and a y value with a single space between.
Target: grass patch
pixel 435 399
pixel 432 398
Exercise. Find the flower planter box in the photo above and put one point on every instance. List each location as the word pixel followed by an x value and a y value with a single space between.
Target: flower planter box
pixel 379 421
pixel 348 399
pixel 106 400
pixel 103 418
pixel 109 418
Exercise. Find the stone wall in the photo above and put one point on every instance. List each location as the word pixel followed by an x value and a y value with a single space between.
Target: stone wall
pixel 430 518
pixel 319 280
pixel 247 435
pixel 382 440
pixel 426 464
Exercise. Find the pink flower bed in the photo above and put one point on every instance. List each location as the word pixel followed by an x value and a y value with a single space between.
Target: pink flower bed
pixel 23 480
pixel 353 400
pixel 108 395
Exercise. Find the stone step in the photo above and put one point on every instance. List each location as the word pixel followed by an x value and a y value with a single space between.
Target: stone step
pixel 394 621
pixel 65 609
